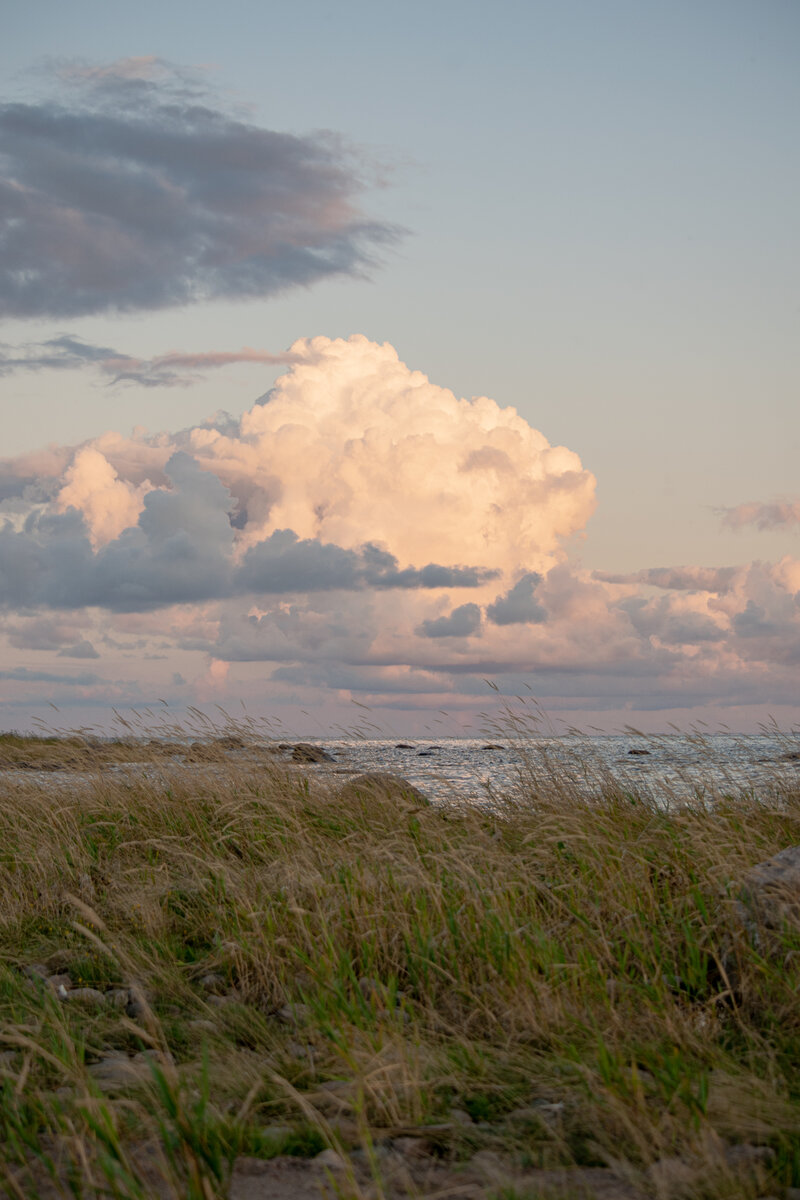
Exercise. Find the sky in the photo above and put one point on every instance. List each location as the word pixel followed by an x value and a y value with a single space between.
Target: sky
pixel 374 365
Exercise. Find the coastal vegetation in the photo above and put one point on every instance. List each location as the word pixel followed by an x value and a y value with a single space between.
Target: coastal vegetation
pixel 210 965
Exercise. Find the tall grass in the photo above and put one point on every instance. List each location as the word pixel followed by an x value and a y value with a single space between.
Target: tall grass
pixel 298 967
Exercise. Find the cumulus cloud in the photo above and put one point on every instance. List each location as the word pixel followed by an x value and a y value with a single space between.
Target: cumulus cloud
pixel 780 514
pixel 134 189
pixel 363 531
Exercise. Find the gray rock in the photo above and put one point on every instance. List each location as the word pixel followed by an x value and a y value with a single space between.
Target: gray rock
pixel 35 971
pixel 460 1116
pixel 770 892
pixel 217 1001
pixel 746 1155
pixel 330 1159
pixel 118 998
pixel 87 996
pixel 294 1014
pixel 136 1007
pixel 56 982
pixel 383 784
pixel 202 1026
pixel 116 1071
pixel 213 982
pixel 411 1147
pixel 306 753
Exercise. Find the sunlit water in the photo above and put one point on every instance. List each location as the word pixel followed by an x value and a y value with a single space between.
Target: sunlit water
pixel 674 767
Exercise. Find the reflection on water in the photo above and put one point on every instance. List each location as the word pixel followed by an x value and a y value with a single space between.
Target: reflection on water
pixel 668 767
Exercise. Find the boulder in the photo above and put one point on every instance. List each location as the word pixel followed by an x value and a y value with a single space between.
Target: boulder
pixel 306 753
pixel 770 892
pixel 384 785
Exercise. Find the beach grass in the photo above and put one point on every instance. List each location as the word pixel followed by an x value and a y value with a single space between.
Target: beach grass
pixel 277 965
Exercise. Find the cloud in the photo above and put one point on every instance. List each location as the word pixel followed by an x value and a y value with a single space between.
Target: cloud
pixel 462 622
pixel 679 579
pixel 23 675
pixel 780 514
pixel 134 190
pixel 81 649
pixel 519 606
pixel 176 369
pixel 361 531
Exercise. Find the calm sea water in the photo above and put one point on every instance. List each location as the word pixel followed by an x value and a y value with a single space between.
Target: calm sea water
pixel 673 767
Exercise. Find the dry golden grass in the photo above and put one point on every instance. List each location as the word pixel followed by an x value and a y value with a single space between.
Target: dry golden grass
pixel 572 974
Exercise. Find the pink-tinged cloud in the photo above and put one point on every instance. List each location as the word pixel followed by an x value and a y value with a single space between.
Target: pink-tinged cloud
pixel 364 532
pixel 780 514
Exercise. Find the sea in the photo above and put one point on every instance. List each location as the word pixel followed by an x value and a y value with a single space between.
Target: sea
pixel 668 768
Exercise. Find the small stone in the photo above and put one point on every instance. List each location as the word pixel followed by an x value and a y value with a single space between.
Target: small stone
pixel 217 1001
pixel 275 1133
pixel 369 987
pixel 638 750
pixel 294 1014
pixel 404 746
pixel 330 1159
pixel 116 1071
pixel 297 1050
pixel 213 982
pixel 136 1006
pixel 745 1155
pixel 411 1147
pixel 460 1117
pixel 88 996
pixel 203 1026
pixel 35 971
pixel 59 981
pixel 8 1057
pixel 117 998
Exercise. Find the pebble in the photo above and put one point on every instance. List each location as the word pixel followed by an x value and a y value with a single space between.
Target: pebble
pixel 203 1026
pixel 117 997
pixel 35 971
pixel 330 1159
pixel 213 982
pixel 294 1014
pixel 59 981
pixel 411 1147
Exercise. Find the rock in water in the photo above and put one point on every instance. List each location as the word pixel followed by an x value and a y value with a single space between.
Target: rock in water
pixel 385 785
pixel 305 752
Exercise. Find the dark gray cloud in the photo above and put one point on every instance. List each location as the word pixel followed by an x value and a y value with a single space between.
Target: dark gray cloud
pixel 180 552
pixel 177 553
pixel 139 192
pixel 69 353
pixel 283 563
pixel 519 606
pixel 462 621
